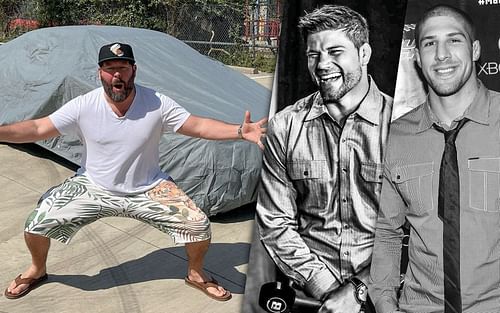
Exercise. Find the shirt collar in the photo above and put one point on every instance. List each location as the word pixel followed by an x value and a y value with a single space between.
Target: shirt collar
pixel 317 107
pixel 369 108
pixel 478 111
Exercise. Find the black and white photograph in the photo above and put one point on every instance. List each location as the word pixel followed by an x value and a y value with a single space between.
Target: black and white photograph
pixel 322 166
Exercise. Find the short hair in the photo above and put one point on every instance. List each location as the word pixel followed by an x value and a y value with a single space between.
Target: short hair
pixel 336 17
pixel 445 10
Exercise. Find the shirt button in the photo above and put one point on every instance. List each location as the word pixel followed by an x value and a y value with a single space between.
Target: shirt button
pixel 344 169
pixel 344 200
pixel 346 226
pixel 398 177
pixel 343 139
pixel 306 173
pixel 346 253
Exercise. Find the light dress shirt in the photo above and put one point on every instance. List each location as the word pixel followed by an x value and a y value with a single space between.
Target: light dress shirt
pixel 410 191
pixel 320 187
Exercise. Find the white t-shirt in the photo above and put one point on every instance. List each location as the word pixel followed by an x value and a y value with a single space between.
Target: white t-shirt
pixel 121 153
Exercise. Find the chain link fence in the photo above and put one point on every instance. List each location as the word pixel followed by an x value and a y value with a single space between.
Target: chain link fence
pixel 243 35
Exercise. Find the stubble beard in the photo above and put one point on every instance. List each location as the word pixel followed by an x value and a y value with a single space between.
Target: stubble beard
pixel 446 89
pixel 330 93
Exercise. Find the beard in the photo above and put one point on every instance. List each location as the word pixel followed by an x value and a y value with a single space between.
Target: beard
pixel 123 93
pixel 331 93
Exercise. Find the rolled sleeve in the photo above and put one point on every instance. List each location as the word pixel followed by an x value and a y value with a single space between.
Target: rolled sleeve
pixel 277 220
pixel 386 259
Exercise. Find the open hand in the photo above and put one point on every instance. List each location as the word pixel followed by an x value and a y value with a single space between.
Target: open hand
pixel 253 132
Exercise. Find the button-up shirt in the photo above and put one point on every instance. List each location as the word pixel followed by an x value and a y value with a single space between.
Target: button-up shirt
pixel 410 191
pixel 320 188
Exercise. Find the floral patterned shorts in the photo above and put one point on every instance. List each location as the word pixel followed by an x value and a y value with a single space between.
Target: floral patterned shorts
pixel 64 209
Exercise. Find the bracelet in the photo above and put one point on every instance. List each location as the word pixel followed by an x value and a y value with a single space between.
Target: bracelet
pixel 240 133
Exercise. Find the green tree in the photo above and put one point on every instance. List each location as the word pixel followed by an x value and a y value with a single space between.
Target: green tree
pixel 163 15
pixel 196 20
pixel 10 10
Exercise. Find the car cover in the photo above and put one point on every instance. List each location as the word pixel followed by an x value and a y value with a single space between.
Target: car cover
pixel 43 69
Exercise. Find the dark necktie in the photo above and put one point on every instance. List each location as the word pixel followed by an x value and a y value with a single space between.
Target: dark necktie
pixel 449 213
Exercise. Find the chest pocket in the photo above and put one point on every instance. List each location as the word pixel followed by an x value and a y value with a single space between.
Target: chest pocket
pixel 307 169
pixel 414 182
pixel 313 183
pixel 484 184
pixel 372 172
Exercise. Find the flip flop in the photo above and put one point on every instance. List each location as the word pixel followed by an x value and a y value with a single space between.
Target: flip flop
pixel 203 286
pixel 31 282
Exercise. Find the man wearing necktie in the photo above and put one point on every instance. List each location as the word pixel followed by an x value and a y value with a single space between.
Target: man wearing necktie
pixel 442 175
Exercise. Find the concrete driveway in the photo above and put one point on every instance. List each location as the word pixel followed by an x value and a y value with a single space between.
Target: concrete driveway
pixel 114 264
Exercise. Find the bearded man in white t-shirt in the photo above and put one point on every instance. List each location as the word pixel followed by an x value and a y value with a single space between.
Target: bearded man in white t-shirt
pixel 120 125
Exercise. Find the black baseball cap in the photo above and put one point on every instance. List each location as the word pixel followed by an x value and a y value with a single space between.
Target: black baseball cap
pixel 116 51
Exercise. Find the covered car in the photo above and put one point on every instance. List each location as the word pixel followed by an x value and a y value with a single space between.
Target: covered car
pixel 43 69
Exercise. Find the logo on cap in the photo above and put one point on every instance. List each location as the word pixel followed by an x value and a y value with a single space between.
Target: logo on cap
pixel 116 50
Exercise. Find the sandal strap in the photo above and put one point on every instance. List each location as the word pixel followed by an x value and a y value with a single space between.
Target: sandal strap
pixel 210 284
pixel 213 280
pixel 27 280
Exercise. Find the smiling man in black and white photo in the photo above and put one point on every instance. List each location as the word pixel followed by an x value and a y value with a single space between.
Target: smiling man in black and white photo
pixel 322 167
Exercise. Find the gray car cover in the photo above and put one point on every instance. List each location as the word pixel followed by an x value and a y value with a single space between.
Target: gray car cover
pixel 43 69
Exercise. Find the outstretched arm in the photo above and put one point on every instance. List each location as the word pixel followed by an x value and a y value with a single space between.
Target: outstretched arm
pixel 207 128
pixel 28 131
